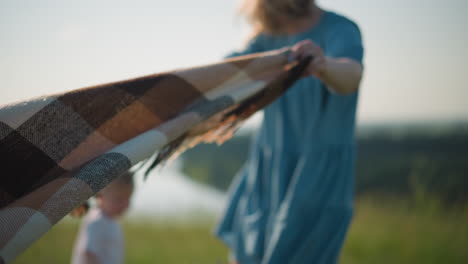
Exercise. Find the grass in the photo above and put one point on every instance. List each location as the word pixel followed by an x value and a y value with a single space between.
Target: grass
pixel 146 242
pixel 399 232
pixel 382 232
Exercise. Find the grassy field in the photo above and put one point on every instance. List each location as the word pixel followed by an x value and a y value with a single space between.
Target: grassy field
pixel 382 232
pixel 398 232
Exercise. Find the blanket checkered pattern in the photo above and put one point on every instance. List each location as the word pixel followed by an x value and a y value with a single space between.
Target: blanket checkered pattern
pixel 58 151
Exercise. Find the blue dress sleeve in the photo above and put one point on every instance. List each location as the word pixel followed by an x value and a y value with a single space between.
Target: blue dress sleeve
pixel 345 41
pixel 253 46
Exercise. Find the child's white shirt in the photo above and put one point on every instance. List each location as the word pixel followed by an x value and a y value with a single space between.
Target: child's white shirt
pixel 100 235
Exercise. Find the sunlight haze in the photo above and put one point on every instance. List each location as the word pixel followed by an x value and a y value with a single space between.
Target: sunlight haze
pixel 415 51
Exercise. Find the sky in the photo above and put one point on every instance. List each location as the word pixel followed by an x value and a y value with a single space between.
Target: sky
pixel 415 51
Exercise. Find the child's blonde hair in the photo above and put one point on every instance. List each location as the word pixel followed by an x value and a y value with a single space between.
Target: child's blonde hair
pixel 125 179
pixel 265 15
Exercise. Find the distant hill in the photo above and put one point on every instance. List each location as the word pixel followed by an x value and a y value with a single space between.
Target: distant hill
pixel 393 159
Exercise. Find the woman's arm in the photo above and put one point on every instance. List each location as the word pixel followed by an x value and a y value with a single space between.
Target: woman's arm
pixel 340 75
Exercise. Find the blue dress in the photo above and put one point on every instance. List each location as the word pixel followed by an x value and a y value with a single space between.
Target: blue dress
pixel 293 200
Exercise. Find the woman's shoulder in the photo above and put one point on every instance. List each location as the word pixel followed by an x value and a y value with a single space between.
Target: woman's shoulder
pixel 337 20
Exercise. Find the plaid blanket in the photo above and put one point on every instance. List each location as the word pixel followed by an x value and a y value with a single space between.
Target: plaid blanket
pixel 57 151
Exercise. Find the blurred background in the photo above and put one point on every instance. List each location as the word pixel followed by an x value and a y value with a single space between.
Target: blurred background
pixel 412 173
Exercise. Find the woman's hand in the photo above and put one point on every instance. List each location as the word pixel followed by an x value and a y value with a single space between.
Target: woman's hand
pixel 308 48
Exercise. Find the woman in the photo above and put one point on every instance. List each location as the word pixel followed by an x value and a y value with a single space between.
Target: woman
pixel 293 200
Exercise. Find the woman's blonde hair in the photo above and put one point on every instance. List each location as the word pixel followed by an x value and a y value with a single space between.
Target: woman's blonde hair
pixel 266 15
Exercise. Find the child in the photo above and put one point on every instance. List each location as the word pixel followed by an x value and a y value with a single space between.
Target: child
pixel 100 239
pixel 293 200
